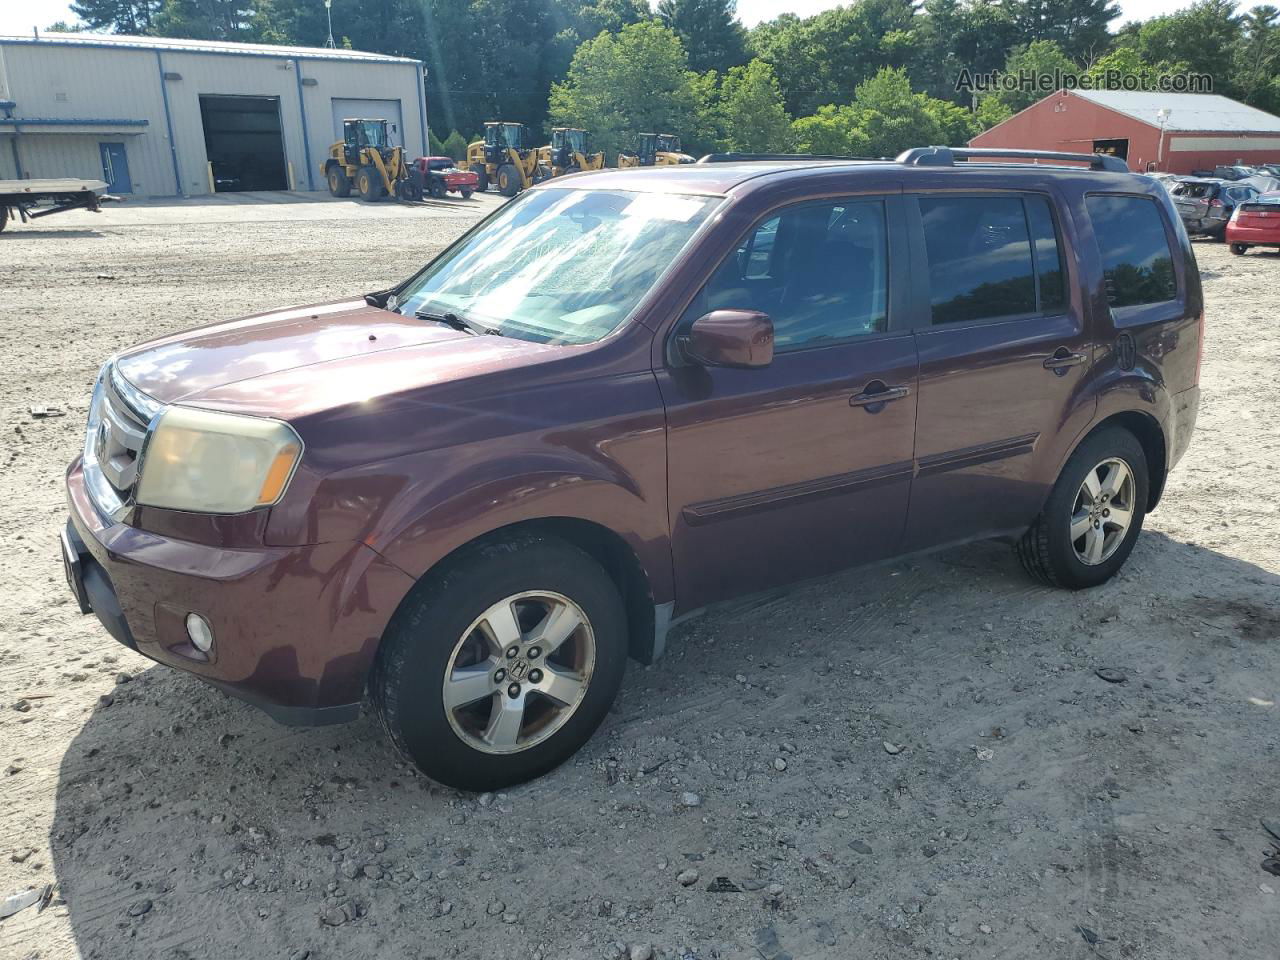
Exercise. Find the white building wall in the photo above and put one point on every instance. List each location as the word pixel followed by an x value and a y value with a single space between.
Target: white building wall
pixel 51 80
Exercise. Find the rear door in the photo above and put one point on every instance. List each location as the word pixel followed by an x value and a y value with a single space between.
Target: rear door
pixel 1004 352
pixel 796 469
pixel 1192 200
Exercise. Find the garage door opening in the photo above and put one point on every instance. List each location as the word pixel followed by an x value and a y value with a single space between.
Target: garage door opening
pixel 243 141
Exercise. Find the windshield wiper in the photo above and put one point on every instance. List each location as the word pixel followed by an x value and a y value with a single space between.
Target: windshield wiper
pixel 450 319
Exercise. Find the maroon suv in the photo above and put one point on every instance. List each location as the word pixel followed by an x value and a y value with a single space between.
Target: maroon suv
pixel 622 397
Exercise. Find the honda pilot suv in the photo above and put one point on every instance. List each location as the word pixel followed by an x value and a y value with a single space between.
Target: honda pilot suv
pixel 622 397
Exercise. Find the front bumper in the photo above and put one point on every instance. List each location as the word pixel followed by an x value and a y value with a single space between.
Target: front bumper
pixel 295 628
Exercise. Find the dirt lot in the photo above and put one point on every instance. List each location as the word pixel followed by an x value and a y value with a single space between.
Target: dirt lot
pixel 1034 810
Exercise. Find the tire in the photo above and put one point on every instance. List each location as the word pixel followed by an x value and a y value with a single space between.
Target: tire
pixel 1047 550
pixel 4 218
pixel 466 193
pixel 439 632
pixel 339 182
pixel 437 189
pixel 1239 248
pixel 481 171
pixel 508 180
pixel 369 184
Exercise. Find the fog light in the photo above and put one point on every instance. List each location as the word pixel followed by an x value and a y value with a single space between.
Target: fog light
pixel 200 632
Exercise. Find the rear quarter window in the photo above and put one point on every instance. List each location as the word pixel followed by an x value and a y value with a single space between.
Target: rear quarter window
pixel 1137 261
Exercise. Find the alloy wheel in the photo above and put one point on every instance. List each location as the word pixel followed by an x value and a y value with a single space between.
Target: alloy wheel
pixel 519 672
pixel 1103 511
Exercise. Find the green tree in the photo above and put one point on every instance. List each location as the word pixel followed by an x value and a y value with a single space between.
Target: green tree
pixel 1078 27
pixel 133 17
pixel 991 110
pixel 1258 58
pixel 206 20
pixel 823 58
pixel 751 112
pixel 62 26
pixel 1204 36
pixel 709 29
pixel 622 84
pixel 1040 58
pixel 455 146
pixel 885 118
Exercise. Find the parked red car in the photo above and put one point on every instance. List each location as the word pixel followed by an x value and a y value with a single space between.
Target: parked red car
pixel 441 175
pixel 1255 223
pixel 621 398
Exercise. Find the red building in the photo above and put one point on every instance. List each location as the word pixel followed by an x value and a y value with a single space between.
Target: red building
pixel 1174 132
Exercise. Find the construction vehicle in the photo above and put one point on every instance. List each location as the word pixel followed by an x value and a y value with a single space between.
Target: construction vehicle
pixel 567 152
pixel 654 150
pixel 504 158
pixel 364 158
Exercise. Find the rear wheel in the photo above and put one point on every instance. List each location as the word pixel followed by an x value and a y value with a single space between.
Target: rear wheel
pixel 466 193
pixel 339 182
pixel 1239 248
pixel 4 217
pixel 499 669
pixel 508 180
pixel 481 171
pixel 1093 516
pixel 369 184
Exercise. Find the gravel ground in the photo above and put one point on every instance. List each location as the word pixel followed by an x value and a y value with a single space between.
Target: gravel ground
pixel 910 761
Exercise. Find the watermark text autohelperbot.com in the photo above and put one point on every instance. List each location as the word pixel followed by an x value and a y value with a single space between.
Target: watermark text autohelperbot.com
pixel 1047 81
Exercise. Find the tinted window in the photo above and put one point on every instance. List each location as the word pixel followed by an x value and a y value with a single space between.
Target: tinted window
pixel 820 271
pixel 1053 288
pixel 1136 260
pixel 979 258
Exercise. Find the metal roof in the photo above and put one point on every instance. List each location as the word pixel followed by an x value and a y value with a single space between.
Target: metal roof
pixel 201 46
pixel 1187 111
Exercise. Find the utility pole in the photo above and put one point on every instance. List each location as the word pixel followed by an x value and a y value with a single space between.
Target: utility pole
pixel 1163 116
pixel 328 10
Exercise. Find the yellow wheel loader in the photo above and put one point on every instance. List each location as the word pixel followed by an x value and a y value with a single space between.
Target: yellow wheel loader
pixel 505 159
pixel 365 159
pixel 568 152
pixel 655 150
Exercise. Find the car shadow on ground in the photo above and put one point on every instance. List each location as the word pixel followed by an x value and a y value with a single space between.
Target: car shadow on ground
pixel 190 825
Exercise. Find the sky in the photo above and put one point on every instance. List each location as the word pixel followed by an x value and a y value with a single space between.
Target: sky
pixel 19 16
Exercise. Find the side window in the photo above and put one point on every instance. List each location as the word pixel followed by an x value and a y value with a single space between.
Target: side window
pixel 1044 239
pixel 979 251
pixel 1137 261
pixel 820 271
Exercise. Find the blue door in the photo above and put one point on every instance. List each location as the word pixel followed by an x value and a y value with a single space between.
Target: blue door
pixel 115 167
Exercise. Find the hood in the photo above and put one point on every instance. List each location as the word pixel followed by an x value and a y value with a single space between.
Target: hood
pixel 189 364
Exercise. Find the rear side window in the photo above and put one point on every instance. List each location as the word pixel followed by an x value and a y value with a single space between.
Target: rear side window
pixel 991 257
pixel 1137 261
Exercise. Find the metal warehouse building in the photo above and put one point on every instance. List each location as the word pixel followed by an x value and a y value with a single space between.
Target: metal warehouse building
pixel 1173 132
pixel 160 117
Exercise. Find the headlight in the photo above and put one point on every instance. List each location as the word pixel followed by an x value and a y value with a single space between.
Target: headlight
pixel 216 462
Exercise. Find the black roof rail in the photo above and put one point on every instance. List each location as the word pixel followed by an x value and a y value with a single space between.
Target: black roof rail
pixel 947 156
pixel 747 157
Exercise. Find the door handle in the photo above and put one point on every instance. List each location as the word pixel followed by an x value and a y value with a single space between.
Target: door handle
pixel 876 394
pixel 1063 359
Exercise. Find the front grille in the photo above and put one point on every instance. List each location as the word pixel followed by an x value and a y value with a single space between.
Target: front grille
pixel 119 417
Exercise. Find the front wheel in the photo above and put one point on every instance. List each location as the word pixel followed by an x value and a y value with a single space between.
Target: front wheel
pixel 1093 516
pixel 369 183
pixel 1239 248
pixel 509 182
pixel 499 669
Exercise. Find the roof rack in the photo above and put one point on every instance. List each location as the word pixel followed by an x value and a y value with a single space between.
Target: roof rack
pixel 749 157
pixel 947 157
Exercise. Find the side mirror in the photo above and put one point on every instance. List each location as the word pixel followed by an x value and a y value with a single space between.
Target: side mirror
pixel 731 338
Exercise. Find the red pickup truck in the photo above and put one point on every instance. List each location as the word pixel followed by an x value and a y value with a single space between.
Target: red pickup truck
pixel 441 176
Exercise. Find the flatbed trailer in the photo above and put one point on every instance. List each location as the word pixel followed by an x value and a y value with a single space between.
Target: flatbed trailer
pixel 31 199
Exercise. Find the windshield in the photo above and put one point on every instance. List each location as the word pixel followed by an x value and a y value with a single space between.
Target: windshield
pixel 559 266
pixel 371 133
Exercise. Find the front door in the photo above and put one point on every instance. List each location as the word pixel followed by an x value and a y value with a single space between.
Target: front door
pixel 1004 355
pixel 795 469
pixel 115 167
